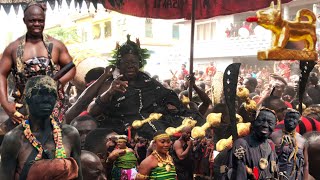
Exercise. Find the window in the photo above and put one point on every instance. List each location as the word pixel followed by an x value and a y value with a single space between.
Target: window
pixel 175 31
pixel 107 29
pixel 96 31
pixel 84 35
pixel 148 28
pixel 206 31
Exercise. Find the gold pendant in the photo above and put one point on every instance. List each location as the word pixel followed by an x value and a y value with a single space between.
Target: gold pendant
pixel 160 164
pixel 263 163
pixel 168 167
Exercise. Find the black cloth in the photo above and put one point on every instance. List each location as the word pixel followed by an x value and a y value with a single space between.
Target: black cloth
pixel 143 97
pixel 184 168
pixel 286 166
pixel 313 93
pixel 142 152
pixel 254 151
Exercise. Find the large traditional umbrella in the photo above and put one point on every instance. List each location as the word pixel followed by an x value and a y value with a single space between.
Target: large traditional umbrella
pixel 163 9
pixel 187 9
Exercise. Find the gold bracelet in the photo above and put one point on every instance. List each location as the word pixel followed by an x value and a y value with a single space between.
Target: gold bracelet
pixel 141 176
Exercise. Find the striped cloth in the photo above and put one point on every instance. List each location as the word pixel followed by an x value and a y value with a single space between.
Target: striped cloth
pixel 160 173
pixel 306 125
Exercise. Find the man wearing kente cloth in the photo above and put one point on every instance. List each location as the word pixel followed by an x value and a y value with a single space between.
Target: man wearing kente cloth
pixel 32 54
pixel 133 95
pixel 290 147
pixel 253 157
pixel 159 165
pixel 39 148
pixel 124 161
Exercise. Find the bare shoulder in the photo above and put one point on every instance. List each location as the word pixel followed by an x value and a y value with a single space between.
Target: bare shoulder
pixel 177 143
pixel 13 137
pixel 13 45
pixel 69 130
pixel 150 162
pixel 131 150
pixel 56 42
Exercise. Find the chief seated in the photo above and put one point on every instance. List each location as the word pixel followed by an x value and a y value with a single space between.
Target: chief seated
pixel 133 95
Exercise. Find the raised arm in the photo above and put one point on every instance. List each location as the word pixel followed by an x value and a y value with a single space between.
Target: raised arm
pixel 182 154
pixel 117 86
pixel 206 101
pixel 87 95
pixel 9 155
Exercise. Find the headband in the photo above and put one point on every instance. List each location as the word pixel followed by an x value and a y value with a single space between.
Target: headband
pixel 160 136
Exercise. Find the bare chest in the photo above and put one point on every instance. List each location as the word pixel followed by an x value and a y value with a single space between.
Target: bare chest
pixel 32 50
pixel 49 146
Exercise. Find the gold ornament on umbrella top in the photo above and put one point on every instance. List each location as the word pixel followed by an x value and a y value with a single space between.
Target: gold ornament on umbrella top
pixel 187 122
pixel 152 117
pixel 284 31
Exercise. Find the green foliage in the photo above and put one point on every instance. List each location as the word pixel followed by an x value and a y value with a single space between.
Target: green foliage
pixel 132 48
pixel 66 35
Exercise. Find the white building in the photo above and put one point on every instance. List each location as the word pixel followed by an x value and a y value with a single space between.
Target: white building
pixel 212 43
pixel 167 40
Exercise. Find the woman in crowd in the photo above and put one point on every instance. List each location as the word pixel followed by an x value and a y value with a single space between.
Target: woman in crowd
pixel 124 161
pixel 159 165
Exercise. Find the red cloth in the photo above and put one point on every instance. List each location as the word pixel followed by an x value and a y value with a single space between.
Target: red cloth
pixel 55 169
pixel 306 125
pixel 289 105
pixel 84 113
pixel 177 9
pixel 212 69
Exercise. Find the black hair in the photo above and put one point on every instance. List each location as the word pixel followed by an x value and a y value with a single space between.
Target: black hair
pixel 289 90
pixel 93 74
pixel 267 102
pixel 313 78
pixel 82 118
pixel 252 81
pixel 96 139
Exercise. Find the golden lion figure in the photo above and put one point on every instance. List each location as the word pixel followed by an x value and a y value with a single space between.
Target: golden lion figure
pixel 284 31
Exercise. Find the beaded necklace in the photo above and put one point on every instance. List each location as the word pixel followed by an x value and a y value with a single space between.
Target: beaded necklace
pixel 57 136
pixel 161 162
pixel 295 147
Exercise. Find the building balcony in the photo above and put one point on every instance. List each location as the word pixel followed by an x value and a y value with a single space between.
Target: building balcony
pixel 232 47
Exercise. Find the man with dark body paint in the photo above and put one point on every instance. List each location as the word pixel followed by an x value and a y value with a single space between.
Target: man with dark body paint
pixel 55 149
pixel 253 156
pixel 290 148
pixel 30 55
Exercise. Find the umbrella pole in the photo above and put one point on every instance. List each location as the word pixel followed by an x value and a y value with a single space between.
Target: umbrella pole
pixel 191 47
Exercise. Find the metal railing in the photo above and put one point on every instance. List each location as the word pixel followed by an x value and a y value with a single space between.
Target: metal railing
pixel 231 47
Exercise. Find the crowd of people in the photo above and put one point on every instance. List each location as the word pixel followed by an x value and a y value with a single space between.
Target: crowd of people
pixel 117 128
pixel 240 30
